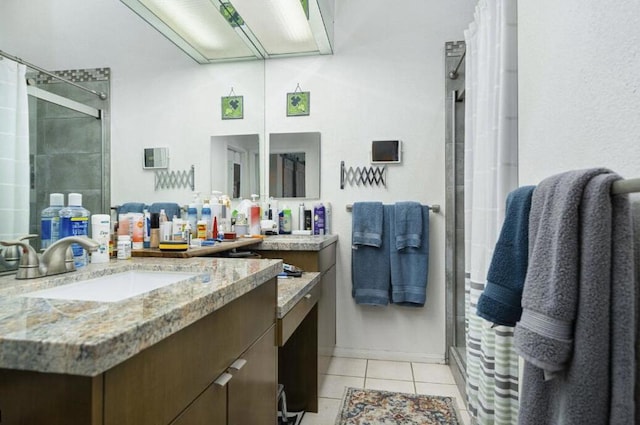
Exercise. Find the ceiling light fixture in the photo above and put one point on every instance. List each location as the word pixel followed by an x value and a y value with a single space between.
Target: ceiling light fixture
pixel 219 30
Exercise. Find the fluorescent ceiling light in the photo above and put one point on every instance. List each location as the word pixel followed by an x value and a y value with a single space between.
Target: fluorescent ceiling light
pixel 268 27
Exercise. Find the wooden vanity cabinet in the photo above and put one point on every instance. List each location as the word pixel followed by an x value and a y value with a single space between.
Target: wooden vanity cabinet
pixel 323 261
pixel 171 382
pixel 309 329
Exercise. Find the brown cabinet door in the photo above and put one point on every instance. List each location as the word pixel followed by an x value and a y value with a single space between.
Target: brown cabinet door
pixel 210 408
pixel 252 391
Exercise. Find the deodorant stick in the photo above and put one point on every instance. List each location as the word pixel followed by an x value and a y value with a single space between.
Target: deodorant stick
pixel 100 228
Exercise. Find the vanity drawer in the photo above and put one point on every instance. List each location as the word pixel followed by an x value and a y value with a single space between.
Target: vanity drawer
pixel 154 386
pixel 288 324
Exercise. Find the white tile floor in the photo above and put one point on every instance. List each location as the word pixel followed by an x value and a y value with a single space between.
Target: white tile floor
pixel 336 373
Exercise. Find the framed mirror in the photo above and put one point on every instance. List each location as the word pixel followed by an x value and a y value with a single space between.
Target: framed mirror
pixel 294 165
pixel 235 168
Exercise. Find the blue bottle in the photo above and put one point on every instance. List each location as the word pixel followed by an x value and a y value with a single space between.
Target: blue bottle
pixel 206 217
pixel 50 220
pixel 74 221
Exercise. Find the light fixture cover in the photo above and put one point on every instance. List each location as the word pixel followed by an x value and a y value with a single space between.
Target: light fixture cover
pixel 220 30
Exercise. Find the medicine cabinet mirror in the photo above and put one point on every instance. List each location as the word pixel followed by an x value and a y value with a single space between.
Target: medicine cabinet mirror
pixel 235 165
pixel 294 165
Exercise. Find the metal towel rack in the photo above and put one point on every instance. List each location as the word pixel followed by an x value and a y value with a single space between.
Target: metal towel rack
pixel 435 208
pixel 625 186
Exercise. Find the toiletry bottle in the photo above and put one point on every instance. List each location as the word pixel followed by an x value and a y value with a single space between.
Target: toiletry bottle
pixel 327 218
pixel 137 230
pixel 192 217
pixel 100 228
pixel 206 217
pixel 124 247
pixel 186 235
pixel 50 220
pixel 154 241
pixel 318 219
pixel 287 220
pixel 146 242
pixel 284 217
pixel 274 214
pixel 198 202
pixel 201 232
pixel 74 221
pixel 162 220
pixel 301 217
pixel 254 216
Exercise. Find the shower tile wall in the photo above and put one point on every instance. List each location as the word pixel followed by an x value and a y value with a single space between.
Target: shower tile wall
pixel 67 152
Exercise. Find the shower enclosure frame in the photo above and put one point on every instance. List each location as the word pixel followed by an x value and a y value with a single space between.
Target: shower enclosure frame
pixel 100 113
pixel 455 299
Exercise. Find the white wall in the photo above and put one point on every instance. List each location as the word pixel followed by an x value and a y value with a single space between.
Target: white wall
pixel 579 88
pixel 385 81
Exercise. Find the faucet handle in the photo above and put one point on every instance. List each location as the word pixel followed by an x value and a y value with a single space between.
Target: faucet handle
pixel 12 253
pixel 29 262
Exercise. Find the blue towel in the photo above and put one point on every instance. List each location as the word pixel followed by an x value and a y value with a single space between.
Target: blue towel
pixel 500 302
pixel 370 267
pixel 410 266
pixel 408 225
pixel 367 224
pixel 131 207
pixel 170 208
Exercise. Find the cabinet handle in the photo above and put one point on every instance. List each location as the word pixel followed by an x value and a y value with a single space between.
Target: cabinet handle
pixel 223 379
pixel 308 296
pixel 238 364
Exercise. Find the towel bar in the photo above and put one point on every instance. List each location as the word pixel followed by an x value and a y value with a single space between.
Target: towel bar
pixel 434 208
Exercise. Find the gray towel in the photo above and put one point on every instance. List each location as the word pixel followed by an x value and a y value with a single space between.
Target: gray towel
pixel 407 225
pixel 579 271
pixel 367 224
pixel 635 212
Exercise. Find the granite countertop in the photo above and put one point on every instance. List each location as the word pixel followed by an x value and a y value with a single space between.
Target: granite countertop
pixel 88 337
pixel 292 289
pixel 295 243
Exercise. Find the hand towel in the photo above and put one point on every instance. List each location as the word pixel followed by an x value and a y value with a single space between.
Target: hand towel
pixel 131 207
pixel 579 273
pixel 370 266
pixel 500 301
pixel 170 208
pixel 367 223
pixel 410 266
pixel 408 225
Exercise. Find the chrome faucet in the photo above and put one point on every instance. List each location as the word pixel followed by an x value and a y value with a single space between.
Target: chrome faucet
pixel 56 259
pixel 10 256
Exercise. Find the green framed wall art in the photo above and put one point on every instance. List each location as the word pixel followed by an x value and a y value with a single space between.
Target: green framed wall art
pixel 298 103
pixel 232 107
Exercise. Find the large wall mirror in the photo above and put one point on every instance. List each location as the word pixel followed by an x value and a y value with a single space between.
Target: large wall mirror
pixel 294 165
pixel 235 165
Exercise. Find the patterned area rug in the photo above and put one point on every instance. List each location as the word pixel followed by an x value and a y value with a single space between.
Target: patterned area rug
pixel 373 407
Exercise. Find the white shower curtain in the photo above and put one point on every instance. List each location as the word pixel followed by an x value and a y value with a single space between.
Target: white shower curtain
pixel 14 151
pixel 490 174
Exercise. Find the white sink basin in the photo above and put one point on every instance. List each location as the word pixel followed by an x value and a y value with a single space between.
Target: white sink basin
pixel 114 287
